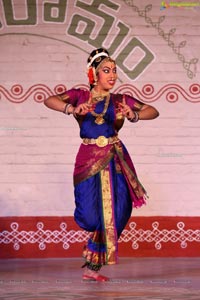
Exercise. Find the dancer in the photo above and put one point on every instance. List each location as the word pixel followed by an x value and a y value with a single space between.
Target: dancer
pixel 106 186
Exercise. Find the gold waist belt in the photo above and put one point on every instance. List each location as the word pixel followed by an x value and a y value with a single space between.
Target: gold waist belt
pixel 101 141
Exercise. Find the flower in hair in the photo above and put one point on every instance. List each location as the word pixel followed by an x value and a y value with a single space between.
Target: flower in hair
pixel 91 75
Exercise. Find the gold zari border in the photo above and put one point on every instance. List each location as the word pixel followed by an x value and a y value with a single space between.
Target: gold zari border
pixel 108 214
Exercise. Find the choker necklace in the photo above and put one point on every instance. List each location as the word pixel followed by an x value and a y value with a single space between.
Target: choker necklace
pixel 99 96
pixel 99 117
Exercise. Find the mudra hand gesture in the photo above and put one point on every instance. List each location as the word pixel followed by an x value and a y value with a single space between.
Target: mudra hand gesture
pixel 84 108
pixel 125 109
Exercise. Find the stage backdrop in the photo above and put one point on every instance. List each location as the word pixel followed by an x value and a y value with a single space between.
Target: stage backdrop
pixel 44 49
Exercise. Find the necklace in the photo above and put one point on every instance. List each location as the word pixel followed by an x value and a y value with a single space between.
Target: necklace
pixel 98 96
pixel 99 117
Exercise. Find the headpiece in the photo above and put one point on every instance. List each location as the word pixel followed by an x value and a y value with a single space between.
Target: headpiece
pixel 96 57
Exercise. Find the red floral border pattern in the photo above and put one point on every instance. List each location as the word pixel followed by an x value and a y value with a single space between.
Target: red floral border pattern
pixel 171 92
pixel 61 237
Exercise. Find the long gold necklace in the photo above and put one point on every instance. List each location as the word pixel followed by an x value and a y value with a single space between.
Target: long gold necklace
pixel 99 117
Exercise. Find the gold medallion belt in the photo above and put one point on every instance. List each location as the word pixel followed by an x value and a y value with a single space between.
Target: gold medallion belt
pixel 101 141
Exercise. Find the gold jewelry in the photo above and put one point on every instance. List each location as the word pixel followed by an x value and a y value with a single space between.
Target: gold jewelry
pixel 99 117
pixel 101 141
pixel 98 96
pixel 107 59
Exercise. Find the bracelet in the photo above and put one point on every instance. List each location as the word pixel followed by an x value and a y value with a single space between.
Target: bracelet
pixel 65 108
pixel 68 108
pixel 65 111
pixel 135 118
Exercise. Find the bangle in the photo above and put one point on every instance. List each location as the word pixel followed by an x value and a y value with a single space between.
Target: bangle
pixel 135 118
pixel 65 111
pixel 68 108
pixel 65 108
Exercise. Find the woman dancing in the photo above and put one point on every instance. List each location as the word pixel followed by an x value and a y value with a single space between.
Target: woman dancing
pixel 106 186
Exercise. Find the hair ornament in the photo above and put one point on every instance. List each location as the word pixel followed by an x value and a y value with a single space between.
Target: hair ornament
pixel 91 75
pixel 98 55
